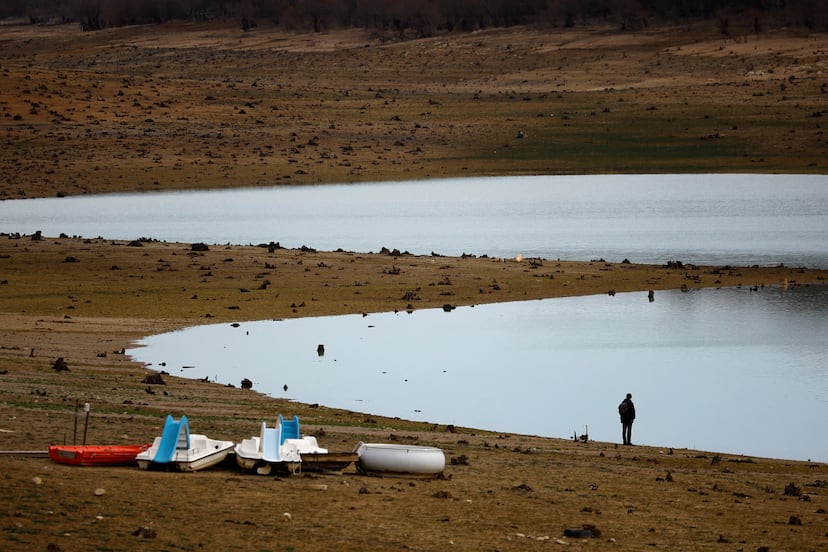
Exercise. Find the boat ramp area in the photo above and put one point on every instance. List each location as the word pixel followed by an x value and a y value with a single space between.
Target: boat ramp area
pixel 279 449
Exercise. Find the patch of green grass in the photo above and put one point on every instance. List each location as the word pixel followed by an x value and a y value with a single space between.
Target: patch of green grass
pixel 621 150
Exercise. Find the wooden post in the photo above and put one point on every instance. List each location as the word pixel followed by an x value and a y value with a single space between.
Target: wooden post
pixel 86 422
pixel 75 432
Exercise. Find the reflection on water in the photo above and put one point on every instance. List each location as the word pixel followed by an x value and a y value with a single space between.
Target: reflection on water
pixel 700 219
pixel 728 370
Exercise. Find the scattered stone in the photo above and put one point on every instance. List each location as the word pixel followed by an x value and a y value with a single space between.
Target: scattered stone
pixel 461 460
pixel 145 532
pixel 246 384
pixel 154 379
pixel 587 531
pixel 794 520
pixel 792 490
pixel 60 365
pixel 100 491
pixel 37 481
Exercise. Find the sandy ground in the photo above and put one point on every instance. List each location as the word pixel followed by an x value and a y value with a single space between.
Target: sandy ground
pixel 187 106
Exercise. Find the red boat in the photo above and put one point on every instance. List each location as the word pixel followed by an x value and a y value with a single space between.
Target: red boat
pixel 96 455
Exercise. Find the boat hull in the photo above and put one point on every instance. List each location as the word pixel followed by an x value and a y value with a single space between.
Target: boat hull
pixel 201 460
pixel 328 462
pixel 399 459
pixel 96 455
pixel 203 453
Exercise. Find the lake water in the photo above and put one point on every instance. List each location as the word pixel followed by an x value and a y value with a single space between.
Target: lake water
pixel 701 219
pixel 727 370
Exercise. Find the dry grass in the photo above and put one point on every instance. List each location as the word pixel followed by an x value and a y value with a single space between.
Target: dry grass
pixel 73 277
pixel 185 106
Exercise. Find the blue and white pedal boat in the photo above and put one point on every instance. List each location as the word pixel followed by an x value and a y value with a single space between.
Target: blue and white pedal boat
pixel 178 448
pixel 277 448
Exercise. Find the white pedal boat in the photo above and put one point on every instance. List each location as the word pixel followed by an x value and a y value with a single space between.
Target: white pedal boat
pixel 399 459
pixel 277 448
pixel 180 449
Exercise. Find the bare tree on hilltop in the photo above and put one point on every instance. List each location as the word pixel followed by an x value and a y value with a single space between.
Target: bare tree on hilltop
pixel 413 18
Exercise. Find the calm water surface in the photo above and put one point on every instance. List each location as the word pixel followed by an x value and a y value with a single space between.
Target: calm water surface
pixel 727 370
pixel 702 219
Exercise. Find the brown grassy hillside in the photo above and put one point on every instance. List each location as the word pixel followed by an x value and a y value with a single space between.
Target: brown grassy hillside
pixel 195 105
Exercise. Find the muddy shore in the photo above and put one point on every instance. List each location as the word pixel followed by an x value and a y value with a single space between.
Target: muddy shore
pixel 503 492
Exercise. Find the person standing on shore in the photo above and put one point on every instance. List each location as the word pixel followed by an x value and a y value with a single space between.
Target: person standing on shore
pixel 627 412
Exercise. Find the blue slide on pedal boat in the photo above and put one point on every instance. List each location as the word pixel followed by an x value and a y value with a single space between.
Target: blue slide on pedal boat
pixel 180 449
pixel 280 448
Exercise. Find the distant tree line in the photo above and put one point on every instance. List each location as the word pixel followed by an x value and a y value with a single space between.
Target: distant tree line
pixel 417 17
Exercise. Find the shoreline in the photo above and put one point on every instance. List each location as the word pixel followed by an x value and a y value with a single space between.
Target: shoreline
pixel 150 290
pixel 254 327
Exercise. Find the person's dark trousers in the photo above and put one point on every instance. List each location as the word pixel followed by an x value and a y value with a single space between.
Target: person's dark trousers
pixel 626 432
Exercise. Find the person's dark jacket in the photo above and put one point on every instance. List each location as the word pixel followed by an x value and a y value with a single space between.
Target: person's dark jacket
pixel 626 411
